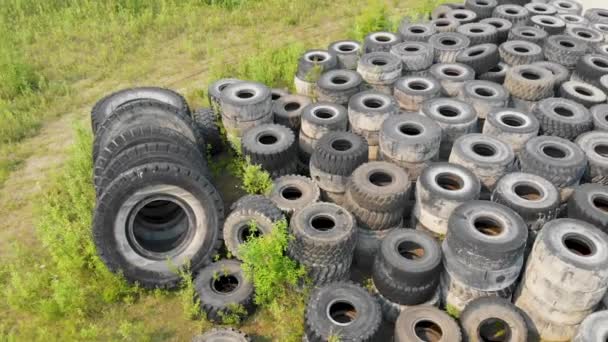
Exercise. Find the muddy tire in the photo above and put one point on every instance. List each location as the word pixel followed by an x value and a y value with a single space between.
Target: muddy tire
pixel 529 83
pixel 564 50
pixel 338 86
pixel 214 92
pixel 271 146
pixel 511 126
pixel 588 203
pixel 379 186
pixel 366 112
pixel 293 192
pixel 563 118
pixel 426 321
pixel 205 120
pixel 322 117
pixel 288 110
pixel 517 15
pixel 484 96
pixel 452 77
pixel 519 52
pixel 347 52
pixel 412 91
pixel 246 101
pixel 415 56
pixel 380 41
pixel 313 63
pixel 448 45
pixel 528 33
pixel 594 144
pixel 481 58
pixel 490 317
pixel 416 32
pixel 479 33
pixel 503 26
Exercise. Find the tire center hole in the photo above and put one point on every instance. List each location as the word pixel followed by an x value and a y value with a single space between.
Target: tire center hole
pixel 528 34
pixel 485 92
pixel 452 72
pixel 563 111
pixel 477 30
pixel 448 42
pixel 322 223
pixel 511 11
pixel 566 44
pixel 521 49
pixel 484 150
pixel 583 91
pixel 410 129
pixel 449 181
pixel 494 330
pixel 528 192
pixel 275 96
pixel 428 331
pixel 460 16
pixel 248 231
pixel 267 139
pixel 488 226
pixel 601 203
pixel 602 150
pixel 346 48
pixel 342 313
pixel 225 284
pixel 579 244
pixel 379 62
pixel 245 94
pixel 411 48
pixel 160 226
pixel 512 120
pixel 292 106
pixel 410 250
pixel 339 80
pixel 379 178
pixel 554 152
pixel 382 38
pixel 476 52
pixel 373 103
pixel 316 58
pixel 583 34
pixel 417 85
pixel 448 111
pixel 341 145
pixel 600 63
pixel 530 75
pixel 291 193
pixel 442 23
pixel 323 113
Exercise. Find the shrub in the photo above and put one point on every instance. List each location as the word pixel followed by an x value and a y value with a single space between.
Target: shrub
pixel 375 17
pixel 256 180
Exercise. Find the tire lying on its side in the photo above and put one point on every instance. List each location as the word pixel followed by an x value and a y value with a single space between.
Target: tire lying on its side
pixel 144 258
pixel 488 318
pixel 205 120
pixel 426 321
pixel 222 335
pixel 104 107
pixel 589 202
pixel 293 192
pixel 220 286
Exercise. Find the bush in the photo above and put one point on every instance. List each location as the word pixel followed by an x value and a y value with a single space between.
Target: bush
pixel 256 180
pixel 375 17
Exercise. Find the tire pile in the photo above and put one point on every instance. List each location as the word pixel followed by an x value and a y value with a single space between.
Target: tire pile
pixel 459 164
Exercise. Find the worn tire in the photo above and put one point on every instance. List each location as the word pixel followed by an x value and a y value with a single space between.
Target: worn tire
pixel 518 52
pixel 593 327
pixel 588 203
pixel 528 33
pixel 448 45
pixel 379 68
pixel 380 41
pixel 548 23
pixel 411 92
pixel 288 110
pixel 347 52
pixel 414 56
pixel 564 50
pixel 583 93
pixel 339 153
pixel 214 92
pixel 503 26
pixel 600 117
pixel 496 74
pixel 479 33
pixel 484 96
pixel 205 120
pixel 560 73
pixel 379 186
pixel 320 118
pixel 271 146
pixel 511 126
pixel 416 32
pixel 452 76
pixel 373 219
pixel 421 321
pixel 529 82
pixel 313 63
pixel 516 14
pixel 491 317
pixel 294 192
pixel 366 112
pixel 246 101
pixel 591 69
pixel 482 8
pixel 563 118
pixel 481 58
pixel 237 228
pixel 463 16
pixel 338 86
pixel 595 145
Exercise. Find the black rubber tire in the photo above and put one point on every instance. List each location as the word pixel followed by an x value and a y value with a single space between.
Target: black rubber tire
pixel 339 153
pixel 407 267
pixel 516 14
pixel 479 33
pixel 452 77
pixel 288 110
pixel 503 26
pixel 415 56
pixel 583 93
pixel 511 126
pixel 538 8
pixel 373 219
pixel 107 105
pixel 246 101
pixel 597 15
pixel 380 41
pixel 238 227
pixel 338 86
pixel 214 92
pixel 424 320
pixel 366 112
pixel 294 192
pixel 379 186
pixel 321 117
pixel 528 82
pixel 562 172
pixel 564 50
pixel 323 234
pixel 464 16
pixel 548 23
pixel 397 142
pixel 313 63
pixel 486 235
pixel 518 52
pixel 484 96
pixel 271 145
pixel 481 58
pixel 534 198
pixel 167 152
pixel 591 68
pixel 144 112
pixel 593 327
pixel 411 91
pixel 205 120
pixel 416 32
pixel 380 68
pixel 595 145
pixel 260 204
pixel 448 45
pixel 488 318
pixel 347 52
pixel 563 118
pixel 222 335
pixel 327 302
pixel 483 8
pixel 560 73
pixel 445 25
pixel 217 301
pixel 528 33
pixel 600 117
pixel 587 35
pixel 496 74
pixel 323 274
pixel 589 203
pixel 133 187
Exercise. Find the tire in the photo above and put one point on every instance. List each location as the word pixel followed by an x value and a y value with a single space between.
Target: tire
pixel 456 118
pixel 445 25
pixel 597 15
pixel 529 83
pixel 519 52
pixel 485 96
pixel 414 56
pixel 220 286
pixel 560 73
pixel 333 187
pixel 366 112
pixel 214 92
pixel 479 33
pixel 448 45
pixel 379 68
pixel 338 86
pixel 503 26
pixel 293 192
pixel 347 52
pixel 315 62
pixel 305 87
pixel 222 335
pixel 138 113
pixel 483 9
pixel 564 50
pixel 323 274
pixel 379 186
pixel 440 189
pixel 161 152
pixel 392 310
pixel 426 321
pixel 516 14
pixel 587 35
pixel 373 219
pixel 368 243
pixel 534 198
pixel 548 23
pixel 600 117
pixel 588 203
pixel 491 317
pixel 260 204
pixel 452 76
pixel 481 58
pixel 407 267
pixel 205 120
pixel 323 234
pixel 409 138
pixel 110 103
pixel 528 33
pixel 456 295
pixel 271 146
pixel 411 92
pixel 573 19
pixel 238 228
pixel 288 110
pixel 236 128
pixel 593 327
pixel 602 28
pixel 322 117
pixel 511 126
pixel 567 6
pixel 328 309
pixel 246 101
pixel 416 32
pixel 556 159
pixel 538 8
pixel 463 16
pixel 142 185
pixel 563 118
pixel 277 94
pixel 496 74
pixel 486 235
pixel 583 93
pixel 380 41
pixel 339 153
pixel 591 68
